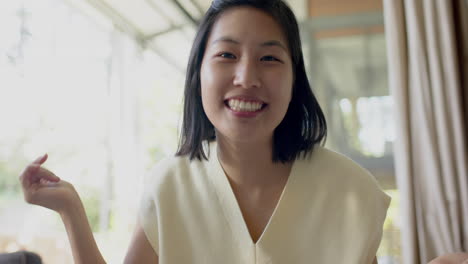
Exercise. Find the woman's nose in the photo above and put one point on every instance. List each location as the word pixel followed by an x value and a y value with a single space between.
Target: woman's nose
pixel 247 75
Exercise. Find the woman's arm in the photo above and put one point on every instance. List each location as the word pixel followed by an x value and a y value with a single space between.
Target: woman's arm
pixel 140 250
pixel 83 245
pixel 42 187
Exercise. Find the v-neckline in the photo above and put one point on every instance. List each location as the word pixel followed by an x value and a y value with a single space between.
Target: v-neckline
pixel 230 205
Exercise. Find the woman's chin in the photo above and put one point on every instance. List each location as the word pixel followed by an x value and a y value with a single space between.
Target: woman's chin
pixel 244 136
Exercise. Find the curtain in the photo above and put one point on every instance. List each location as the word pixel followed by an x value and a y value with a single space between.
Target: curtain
pixel 426 48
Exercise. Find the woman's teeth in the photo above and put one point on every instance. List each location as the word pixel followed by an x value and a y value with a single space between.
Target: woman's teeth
pixel 243 106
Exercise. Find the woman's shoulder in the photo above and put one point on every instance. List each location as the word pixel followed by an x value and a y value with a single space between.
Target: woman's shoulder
pixel 329 161
pixel 339 178
pixel 172 170
pixel 336 169
pixel 169 164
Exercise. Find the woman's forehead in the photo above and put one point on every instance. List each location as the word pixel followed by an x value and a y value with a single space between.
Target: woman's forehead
pixel 247 24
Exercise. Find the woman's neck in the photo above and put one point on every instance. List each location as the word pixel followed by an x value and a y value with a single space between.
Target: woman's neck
pixel 250 163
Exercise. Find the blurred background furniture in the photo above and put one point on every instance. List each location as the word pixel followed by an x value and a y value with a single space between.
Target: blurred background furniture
pixel 20 257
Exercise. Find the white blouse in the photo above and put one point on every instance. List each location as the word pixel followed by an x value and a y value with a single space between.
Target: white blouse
pixel 331 211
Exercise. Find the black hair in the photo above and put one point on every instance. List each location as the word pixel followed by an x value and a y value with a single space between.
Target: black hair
pixel 304 124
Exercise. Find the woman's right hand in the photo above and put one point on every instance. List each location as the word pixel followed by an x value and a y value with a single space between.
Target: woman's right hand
pixel 44 188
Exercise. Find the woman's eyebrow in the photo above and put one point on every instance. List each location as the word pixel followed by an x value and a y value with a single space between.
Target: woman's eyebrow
pixel 269 43
pixel 274 43
pixel 225 39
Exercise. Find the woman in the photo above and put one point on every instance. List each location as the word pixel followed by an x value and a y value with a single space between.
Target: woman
pixel 250 182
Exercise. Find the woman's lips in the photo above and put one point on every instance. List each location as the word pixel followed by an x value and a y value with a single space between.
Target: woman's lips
pixel 245 107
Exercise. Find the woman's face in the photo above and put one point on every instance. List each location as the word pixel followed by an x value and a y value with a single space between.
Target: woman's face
pixel 246 75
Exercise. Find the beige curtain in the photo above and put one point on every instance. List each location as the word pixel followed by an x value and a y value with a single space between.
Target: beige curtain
pixel 427 77
pixel 462 37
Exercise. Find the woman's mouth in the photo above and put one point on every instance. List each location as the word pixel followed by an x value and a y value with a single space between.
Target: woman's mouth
pixel 245 107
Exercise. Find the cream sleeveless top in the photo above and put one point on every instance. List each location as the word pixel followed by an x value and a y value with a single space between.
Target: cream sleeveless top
pixel 331 211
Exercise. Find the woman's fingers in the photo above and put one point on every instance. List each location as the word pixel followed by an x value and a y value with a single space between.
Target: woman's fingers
pixel 33 166
pixel 42 187
pixel 33 173
pixel 26 177
pixel 40 159
pixel 43 174
pixel 48 175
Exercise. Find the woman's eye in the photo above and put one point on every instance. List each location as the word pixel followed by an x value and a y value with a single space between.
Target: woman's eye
pixel 227 55
pixel 269 58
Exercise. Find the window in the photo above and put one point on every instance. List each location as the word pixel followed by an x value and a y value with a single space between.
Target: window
pixel 102 107
pixel 344 43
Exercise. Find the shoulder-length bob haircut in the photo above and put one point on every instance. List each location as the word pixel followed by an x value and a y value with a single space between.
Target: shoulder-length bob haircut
pixel 304 124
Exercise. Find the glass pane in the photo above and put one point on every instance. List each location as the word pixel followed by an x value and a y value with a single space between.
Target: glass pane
pixel 52 92
pixel 345 47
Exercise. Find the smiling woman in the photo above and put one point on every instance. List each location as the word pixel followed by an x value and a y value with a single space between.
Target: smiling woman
pixel 250 182
pixel 253 72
